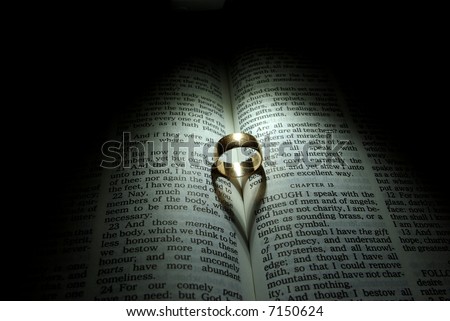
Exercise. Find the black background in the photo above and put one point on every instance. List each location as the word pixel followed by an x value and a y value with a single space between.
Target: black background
pixel 86 67
pixel 394 57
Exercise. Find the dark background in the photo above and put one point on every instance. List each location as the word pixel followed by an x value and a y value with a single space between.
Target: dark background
pixel 394 57
pixel 73 69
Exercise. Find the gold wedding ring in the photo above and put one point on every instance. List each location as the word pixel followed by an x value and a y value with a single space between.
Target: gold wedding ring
pixel 237 169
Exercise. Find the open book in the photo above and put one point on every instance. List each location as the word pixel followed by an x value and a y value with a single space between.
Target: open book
pixel 343 216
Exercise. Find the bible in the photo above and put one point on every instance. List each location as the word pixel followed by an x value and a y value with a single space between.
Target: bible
pixel 343 215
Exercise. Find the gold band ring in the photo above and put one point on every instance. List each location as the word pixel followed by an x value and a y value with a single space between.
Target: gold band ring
pixel 237 169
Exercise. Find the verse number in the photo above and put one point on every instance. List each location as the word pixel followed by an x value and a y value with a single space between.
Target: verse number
pixel 113 226
pixel 117 196
pixel 105 289
pixel 295 311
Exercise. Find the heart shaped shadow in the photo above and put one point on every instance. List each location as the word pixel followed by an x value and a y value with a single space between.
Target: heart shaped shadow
pixel 240 197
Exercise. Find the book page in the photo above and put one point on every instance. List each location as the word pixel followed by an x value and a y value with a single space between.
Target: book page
pixel 343 217
pixel 153 227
